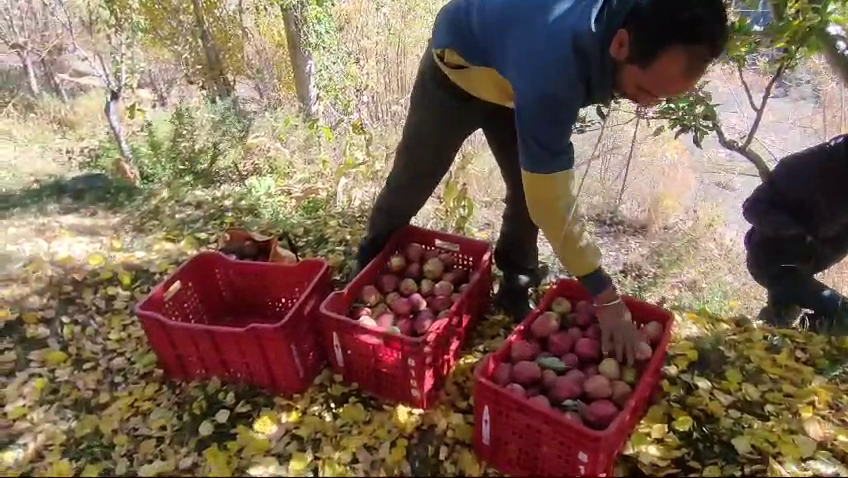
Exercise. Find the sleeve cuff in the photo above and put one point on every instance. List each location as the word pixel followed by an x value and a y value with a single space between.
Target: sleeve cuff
pixel 596 281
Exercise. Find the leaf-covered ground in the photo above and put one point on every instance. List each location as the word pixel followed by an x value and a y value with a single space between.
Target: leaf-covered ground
pixel 83 395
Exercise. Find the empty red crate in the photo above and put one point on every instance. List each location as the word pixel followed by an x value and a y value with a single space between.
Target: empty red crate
pixel 240 321
pixel 399 368
pixel 519 439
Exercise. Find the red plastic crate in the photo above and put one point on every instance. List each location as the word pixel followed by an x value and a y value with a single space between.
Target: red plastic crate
pixel 398 368
pixel 240 321
pixel 519 439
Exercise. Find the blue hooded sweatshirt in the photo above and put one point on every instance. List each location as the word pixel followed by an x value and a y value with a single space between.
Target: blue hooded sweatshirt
pixel 546 59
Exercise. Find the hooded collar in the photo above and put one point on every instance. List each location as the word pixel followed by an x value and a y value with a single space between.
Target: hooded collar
pixel 607 18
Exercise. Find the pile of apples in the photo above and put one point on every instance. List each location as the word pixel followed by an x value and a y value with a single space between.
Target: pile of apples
pixel 414 292
pixel 558 364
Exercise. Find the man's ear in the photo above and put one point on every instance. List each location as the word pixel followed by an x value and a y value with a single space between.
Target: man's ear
pixel 620 45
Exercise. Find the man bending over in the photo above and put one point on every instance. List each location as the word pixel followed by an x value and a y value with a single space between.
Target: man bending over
pixel 520 70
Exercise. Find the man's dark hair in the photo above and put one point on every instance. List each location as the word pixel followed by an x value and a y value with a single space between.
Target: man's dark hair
pixel 655 25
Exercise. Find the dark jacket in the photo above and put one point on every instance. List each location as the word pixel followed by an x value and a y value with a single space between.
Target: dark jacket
pixel 800 215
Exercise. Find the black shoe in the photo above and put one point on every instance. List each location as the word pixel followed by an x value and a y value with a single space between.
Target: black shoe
pixel 514 293
pixel 515 302
pixel 779 316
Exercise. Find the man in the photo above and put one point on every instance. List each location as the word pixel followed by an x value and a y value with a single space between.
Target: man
pixel 799 219
pixel 521 70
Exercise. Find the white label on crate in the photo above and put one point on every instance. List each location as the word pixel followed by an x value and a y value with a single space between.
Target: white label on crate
pixel 338 348
pixel 411 362
pixel 414 392
pixel 582 470
pixel 297 361
pixel 486 426
pixel 583 457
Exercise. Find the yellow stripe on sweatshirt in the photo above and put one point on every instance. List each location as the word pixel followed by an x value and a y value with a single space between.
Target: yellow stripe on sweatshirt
pixel 551 201
pixel 483 82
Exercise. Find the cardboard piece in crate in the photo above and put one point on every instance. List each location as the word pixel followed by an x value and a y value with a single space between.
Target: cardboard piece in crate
pixel 245 245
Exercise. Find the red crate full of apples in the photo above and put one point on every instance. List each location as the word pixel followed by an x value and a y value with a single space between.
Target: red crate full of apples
pixel 548 403
pixel 397 328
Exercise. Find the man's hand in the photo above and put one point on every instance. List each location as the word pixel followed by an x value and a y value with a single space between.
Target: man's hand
pixel 618 331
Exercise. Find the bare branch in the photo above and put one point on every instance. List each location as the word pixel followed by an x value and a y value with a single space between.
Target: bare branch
pixel 68 24
pixel 10 18
pixel 732 145
pixel 105 71
pixel 766 95
pixel 122 64
pixel 25 17
pixel 747 88
pixel 629 159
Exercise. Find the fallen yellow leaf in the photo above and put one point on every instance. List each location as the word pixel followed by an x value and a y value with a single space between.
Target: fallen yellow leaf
pixel 733 375
pixel 92 470
pixel 806 445
pixel 299 463
pixel 742 444
pixel 222 416
pixel 55 357
pixel 468 463
pixel 712 470
pixel 683 423
pixel 96 260
pixel 353 412
pixel 206 428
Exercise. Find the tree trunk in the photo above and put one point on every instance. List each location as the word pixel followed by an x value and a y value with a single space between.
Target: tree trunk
pixel 124 165
pixel 215 73
pixel 303 66
pixel 50 76
pixel 29 71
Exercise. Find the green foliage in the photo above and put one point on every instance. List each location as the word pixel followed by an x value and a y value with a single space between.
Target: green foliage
pixel 201 146
pixel 457 206
pixel 693 114
pixel 118 22
pixel 173 26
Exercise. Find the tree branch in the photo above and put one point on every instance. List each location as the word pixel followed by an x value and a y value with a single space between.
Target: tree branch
pixel 122 65
pixel 766 95
pixel 629 159
pixel 746 88
pixel 10 17
pixel 68 24
pixel 25 16
pixel 732 145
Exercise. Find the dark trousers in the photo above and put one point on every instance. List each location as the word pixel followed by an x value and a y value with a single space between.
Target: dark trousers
pixel 440 117
pixel 787 271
